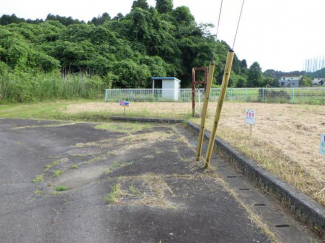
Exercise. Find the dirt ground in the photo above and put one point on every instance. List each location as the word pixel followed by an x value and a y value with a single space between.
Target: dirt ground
pixel 285 138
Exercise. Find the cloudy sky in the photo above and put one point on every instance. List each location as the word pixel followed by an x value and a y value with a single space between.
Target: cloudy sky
pixel 279 34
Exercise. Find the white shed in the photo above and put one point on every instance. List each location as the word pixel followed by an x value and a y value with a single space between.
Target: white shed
pixel 170 87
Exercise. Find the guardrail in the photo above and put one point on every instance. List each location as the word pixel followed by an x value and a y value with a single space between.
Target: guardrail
pixel 262 95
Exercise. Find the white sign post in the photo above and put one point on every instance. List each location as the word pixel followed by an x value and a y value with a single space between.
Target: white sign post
pixel 322 144
pixel 250 119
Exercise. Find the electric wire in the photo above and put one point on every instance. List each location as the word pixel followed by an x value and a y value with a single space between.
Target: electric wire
pixel 241 12
pixel 216 39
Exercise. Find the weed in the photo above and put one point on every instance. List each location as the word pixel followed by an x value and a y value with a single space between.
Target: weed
pixel 61 188
pixel 134 190
pixel 38 179
pixel 158 151
pixel 116 165
pixel 74 167
pixel 49 166
pixel 123 127
pixel 111 197
pixel 37 192
pixel 174 150
pixel 57 173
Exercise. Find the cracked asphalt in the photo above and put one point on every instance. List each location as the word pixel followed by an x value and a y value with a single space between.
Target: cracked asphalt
pixel 142 186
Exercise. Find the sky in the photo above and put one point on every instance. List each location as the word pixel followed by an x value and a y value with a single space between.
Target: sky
pixel 278 34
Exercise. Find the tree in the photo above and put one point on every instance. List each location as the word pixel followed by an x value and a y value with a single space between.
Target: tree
pixel 100 19
pixel 140 4
pixel 306 81
pixel 254 78
pixel 183 16
pixel 164 6
pixel 269 82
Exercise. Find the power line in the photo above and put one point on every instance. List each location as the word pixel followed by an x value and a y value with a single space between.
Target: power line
pixel 219 20
pixel 241 12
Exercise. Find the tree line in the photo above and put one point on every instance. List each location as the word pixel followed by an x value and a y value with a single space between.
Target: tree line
pixel 123 51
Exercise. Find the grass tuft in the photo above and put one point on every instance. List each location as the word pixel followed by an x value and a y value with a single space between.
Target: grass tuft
pixel 111 197
pixel 38 179
pixel 57 173
pixel 62 188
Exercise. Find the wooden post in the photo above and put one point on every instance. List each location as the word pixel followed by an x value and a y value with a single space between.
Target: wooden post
pixel 224 86
pixel 204 109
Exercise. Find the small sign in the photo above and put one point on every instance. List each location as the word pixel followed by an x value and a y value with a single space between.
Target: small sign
pixel 322 144
pixel 250 117
pixel 124 103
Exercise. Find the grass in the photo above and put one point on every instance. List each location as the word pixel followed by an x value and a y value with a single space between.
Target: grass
pixel 38 179
pixel 37 192
pixel 74 167
pixel 57 173
pixel 30 87
pixel 146 189
pixel 124 127
pixel 62 188
pixel 285 137
pixel 111 197
pixel 117 165
pixel 49 166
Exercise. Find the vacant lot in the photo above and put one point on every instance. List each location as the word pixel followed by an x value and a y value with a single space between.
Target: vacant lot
pixel 285 138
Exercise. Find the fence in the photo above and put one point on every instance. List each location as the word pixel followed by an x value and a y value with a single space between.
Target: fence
pixel 262 95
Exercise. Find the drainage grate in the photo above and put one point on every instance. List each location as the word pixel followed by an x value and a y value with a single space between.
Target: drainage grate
pixel 231 176
pixel 282 226
pixel 259 204
pixel 244 189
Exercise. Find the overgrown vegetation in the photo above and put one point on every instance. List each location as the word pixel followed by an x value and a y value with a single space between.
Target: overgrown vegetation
pixel 62 58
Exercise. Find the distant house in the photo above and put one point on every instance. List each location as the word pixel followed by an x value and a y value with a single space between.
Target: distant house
pixel 290 81
pixel 319 81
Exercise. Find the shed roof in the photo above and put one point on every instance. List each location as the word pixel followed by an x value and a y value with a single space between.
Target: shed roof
pixel 165 78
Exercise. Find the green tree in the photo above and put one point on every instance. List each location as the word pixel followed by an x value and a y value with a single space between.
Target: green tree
pixel 164 6
pixel 140 4
pixel 254 78
pixel 306 81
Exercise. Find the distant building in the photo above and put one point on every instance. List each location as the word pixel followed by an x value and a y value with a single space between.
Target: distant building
pixel 290 81
pixel 319 81
pixel 170 87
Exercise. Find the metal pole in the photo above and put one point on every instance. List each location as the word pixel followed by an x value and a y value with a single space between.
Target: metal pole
pixel 204 109
pixel 224 86
pixel 193 92
pixel 200 109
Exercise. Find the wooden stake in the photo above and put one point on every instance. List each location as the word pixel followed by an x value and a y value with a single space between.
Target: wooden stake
pixel 204 110
pixel 223 90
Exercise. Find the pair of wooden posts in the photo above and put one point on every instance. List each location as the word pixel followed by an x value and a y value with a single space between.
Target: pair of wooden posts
pixel 224 86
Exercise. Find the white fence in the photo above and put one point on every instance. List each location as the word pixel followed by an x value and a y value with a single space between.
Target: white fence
pixel 267 95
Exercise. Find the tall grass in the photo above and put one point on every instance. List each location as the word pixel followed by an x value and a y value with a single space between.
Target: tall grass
pixel 31 87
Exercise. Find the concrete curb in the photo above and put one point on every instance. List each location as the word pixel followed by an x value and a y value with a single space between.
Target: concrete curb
pixel 306 209
pixel 145 120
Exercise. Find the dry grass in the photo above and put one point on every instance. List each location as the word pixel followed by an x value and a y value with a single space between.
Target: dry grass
pixel 146 190
pixel 285 138
pixel 285 141
pixel 165 109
